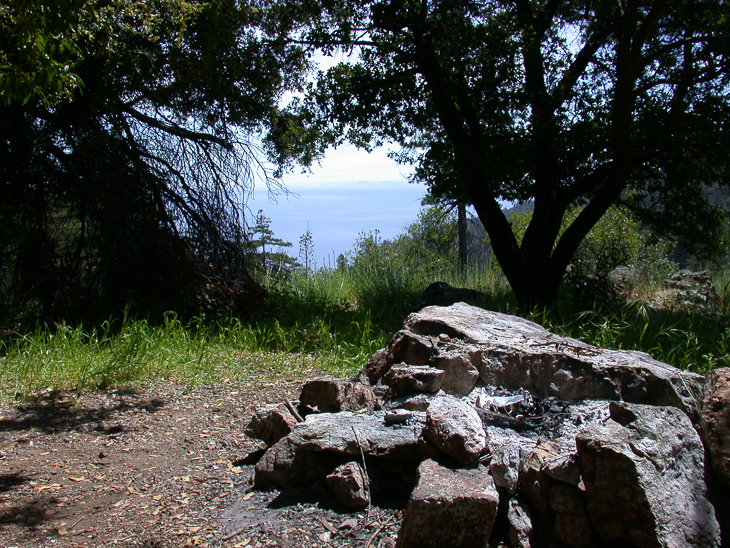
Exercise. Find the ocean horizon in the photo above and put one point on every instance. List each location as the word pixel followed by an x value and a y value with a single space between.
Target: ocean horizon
pixel 338 213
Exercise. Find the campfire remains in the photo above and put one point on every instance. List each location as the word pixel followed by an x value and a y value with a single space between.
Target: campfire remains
pixel 490 429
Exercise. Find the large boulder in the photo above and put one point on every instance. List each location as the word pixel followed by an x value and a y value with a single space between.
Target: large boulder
pixel 643 471
pixel 513 353
pixel 449 508
pixel 587 447
pixel 323 441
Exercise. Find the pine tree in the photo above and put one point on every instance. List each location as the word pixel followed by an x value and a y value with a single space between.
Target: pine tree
pixel 261 236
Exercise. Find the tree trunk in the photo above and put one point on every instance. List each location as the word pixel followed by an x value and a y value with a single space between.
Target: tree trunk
pixel 533 273
pixel 535 266
pixel 463 235
pixel 537 287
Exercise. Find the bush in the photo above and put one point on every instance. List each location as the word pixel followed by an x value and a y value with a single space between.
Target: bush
pixel 616 240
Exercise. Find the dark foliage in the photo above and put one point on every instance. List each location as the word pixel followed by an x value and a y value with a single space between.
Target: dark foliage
pixel 125 191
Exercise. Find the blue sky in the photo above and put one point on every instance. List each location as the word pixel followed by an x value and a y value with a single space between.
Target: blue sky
pixel 350 192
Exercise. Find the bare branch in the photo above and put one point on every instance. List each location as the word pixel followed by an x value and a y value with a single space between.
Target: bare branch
pixel 177 130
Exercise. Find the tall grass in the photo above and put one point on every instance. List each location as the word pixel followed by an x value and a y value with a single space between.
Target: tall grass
pixel 690 341
pixel 134 351
pixel 389 289
pixel 331 322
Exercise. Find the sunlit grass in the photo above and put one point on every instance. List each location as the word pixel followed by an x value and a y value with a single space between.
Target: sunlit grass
pixel 692 342
pixel 329 323
pixel 137 352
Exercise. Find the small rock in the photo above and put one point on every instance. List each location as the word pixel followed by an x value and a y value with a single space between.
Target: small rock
pixel 460 376
pixel 411 348
pixel 276 466
pixel 535 485
pixel 284 465
pixel 520 524
pixel 376 367
pixel 329 394
pixel 564 468
pixel 455 428
pixel 449 508
pixel 349 485
pixel 509 451
pixel 505 466
pixel 406 379
pixel 419 402
pixel 270 423
pixel 348 524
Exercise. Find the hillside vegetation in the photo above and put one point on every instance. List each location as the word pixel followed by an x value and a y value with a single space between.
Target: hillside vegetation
pixel 332 319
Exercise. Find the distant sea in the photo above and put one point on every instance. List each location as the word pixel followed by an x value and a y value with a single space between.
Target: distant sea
pixel 338 212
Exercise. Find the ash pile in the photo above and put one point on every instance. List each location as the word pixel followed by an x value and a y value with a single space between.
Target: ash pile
pixel 490 430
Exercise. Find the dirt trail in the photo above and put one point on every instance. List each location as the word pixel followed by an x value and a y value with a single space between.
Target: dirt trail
pixel 155 469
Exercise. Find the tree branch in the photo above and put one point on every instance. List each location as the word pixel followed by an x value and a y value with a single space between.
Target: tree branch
pixel 579 65
pixel 177 130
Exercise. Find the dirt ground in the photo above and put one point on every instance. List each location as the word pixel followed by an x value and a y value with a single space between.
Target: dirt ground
pixel 158 468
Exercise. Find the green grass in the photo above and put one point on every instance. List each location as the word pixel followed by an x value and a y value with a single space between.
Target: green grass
pixel 329 323
pixel 139 352
pixel 692 342
pixel 387 290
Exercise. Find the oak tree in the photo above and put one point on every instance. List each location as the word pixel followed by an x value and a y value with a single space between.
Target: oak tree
pixel 570 105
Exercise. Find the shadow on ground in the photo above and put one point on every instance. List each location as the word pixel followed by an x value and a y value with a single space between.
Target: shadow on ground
pixel 30 513
pixel 57 411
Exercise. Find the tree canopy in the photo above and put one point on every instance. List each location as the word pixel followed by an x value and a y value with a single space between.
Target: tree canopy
pixel 127 133
pixel 571 105
pixel 127 127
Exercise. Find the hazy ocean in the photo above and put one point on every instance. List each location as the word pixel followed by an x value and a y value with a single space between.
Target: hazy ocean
pixel 338 212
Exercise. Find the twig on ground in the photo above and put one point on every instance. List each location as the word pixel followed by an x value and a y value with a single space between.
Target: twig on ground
pixel 234 534
pixel 326 524
pixel 377 531
pixel 293 410
pixel 364 468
